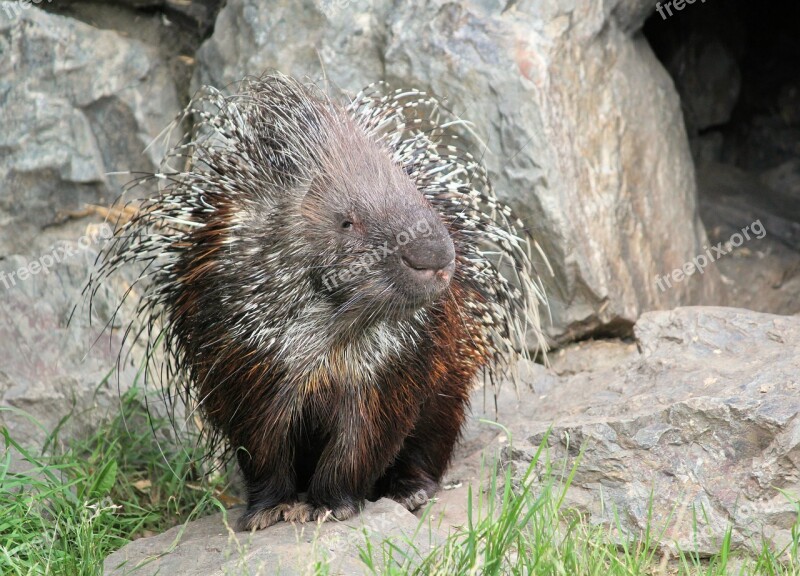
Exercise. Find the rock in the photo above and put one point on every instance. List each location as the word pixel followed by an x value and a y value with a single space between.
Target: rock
pixel 708 79
pixel 50 370
pixel 195 13
pixel 735 69
pixel 783 188
pixel 694 422
pixel 700 425
pixel 764 142
pixel 763 273
pixel 789 103
pixel 602 176
pixel 210 547
pixel 75 104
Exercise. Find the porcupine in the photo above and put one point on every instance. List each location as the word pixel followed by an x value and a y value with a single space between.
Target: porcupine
pixel 327 281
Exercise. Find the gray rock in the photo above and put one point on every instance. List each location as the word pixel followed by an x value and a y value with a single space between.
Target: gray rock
pixel 210 547
pixel 696 421
pixel 708 80
pixel 49 369
pixel 196 12
pixel 762 274
pixel 75 104
pixel 700 423
pixel 602 175
pixel 783 188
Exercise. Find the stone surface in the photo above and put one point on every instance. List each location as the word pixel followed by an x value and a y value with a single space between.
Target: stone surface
pixel 602 175
pixel 197 14
pixel 761 274
pixel 783 186
pixel 735 69
pixel 700 416
pixel 49 369
pixel 708 79
pixel 75 104
pixel 172 28
pixel 210 547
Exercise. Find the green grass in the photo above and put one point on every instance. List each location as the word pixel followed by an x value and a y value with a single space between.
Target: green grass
pixel 524 528
pixel 75 504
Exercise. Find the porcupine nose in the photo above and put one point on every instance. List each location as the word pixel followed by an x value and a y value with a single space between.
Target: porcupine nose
pixel 430 259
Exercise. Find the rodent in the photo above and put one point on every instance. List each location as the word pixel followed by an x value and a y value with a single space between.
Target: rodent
pixel 319 276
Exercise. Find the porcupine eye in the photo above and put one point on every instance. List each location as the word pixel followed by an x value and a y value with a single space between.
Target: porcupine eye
pixel 349 225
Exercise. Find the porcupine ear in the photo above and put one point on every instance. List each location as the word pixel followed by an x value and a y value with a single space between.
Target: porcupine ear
pixel 494 247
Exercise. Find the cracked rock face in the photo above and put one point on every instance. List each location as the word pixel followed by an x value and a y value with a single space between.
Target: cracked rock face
pixel 75 104
pixel 700 418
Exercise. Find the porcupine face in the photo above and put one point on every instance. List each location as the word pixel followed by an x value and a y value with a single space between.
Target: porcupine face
pixel 388 252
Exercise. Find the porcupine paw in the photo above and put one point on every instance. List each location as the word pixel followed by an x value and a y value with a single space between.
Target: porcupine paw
pixel 308 512
pixel 260 518
pixel 412 493
pixel 413 500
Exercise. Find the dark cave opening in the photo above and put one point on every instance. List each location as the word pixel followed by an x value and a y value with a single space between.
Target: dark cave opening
pixel 736 67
